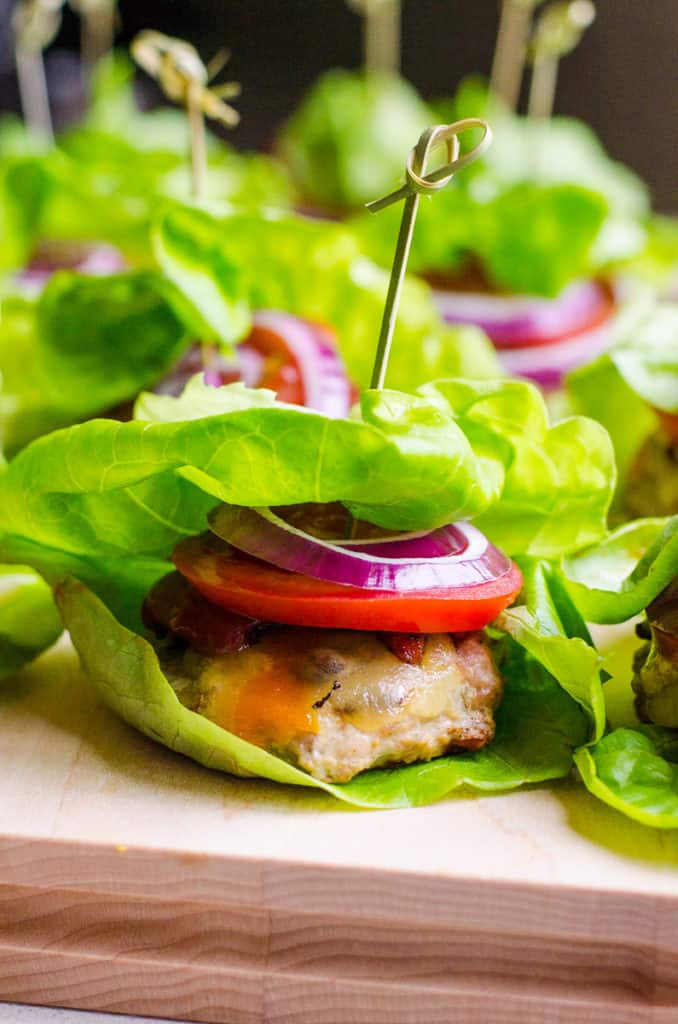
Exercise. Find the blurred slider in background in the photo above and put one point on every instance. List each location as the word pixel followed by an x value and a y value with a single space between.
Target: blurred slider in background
pixel 533 247
pixel 613 80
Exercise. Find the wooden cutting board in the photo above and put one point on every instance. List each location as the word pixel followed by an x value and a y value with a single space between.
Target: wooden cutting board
pixel 133 880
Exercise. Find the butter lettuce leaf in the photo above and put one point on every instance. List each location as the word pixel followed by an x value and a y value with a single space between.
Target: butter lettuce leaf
pixel 549 627
pixel 106 179
pixel 349 140
pixel 545 205
pixel 24 185
pixel 636 772
pixel 657 263
pixel 638 373
pixel 559 479
pixel 84 346
pixel 618 577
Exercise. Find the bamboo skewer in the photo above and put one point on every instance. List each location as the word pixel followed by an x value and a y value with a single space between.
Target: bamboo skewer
pixel 381 34
pixel 97 29
pixel 510 51
pixel 557 32
pixel 417 184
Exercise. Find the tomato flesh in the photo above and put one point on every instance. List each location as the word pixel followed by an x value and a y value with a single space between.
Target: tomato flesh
pixel 281 371
pixel 262 591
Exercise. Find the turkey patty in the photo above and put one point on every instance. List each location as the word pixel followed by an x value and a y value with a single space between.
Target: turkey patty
pixel 337 702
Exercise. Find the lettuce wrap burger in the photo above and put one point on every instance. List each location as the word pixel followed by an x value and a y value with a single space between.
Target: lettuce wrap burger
pixel 322 601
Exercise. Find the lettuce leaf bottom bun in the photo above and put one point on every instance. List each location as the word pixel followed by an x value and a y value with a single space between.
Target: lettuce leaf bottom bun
pixel 538 725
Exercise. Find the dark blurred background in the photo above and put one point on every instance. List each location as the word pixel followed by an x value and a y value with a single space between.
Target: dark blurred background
pixel 622 78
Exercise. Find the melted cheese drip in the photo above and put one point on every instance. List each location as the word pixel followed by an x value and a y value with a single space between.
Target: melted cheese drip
pixel 256 697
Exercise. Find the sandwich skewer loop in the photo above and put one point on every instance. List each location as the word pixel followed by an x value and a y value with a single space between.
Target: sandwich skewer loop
pixel 418 183
pixel 184 78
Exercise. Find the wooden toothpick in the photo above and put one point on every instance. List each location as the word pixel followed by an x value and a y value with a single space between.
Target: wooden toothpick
pixel 97 29
pixel 557 32
pixel 183 77
pixel 381 34
pixel 35 23
pixel 510 49
pixel 417 183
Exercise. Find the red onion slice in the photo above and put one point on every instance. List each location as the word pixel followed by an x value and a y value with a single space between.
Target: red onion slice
pixel 325 383
pixel 547 365
pixel 445 541
pixel 512 321
pixel 307 347
pixel 469 560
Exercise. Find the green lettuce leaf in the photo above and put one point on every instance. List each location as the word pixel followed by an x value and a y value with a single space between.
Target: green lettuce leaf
pixel 600 392
pixel 56 196
pixel 24 186
pixel 349 140
pixel 460 223
pixel 29 621
pixel 549 626
pixel 619 576
pixel 224 269
pixel 104 492
pixel 622 389
pixel 538 724
pixel 559 479
pixel 635 771
pixel 86 345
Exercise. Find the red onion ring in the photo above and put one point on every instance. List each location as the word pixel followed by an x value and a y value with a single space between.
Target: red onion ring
pixel 516 321
pixel 547 365
pixel 325 383
pixel 458 555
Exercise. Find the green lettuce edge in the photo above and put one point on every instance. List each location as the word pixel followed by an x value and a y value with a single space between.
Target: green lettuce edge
pixel 637 561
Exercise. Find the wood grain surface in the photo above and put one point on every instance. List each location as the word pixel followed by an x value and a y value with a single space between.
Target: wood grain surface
pixel 132 880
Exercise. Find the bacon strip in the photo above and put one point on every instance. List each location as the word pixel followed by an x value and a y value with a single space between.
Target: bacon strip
pixel 174 606
pixel 407 647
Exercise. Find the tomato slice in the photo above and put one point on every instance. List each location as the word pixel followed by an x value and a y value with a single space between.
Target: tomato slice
pixel 250 587
pixel 281 371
